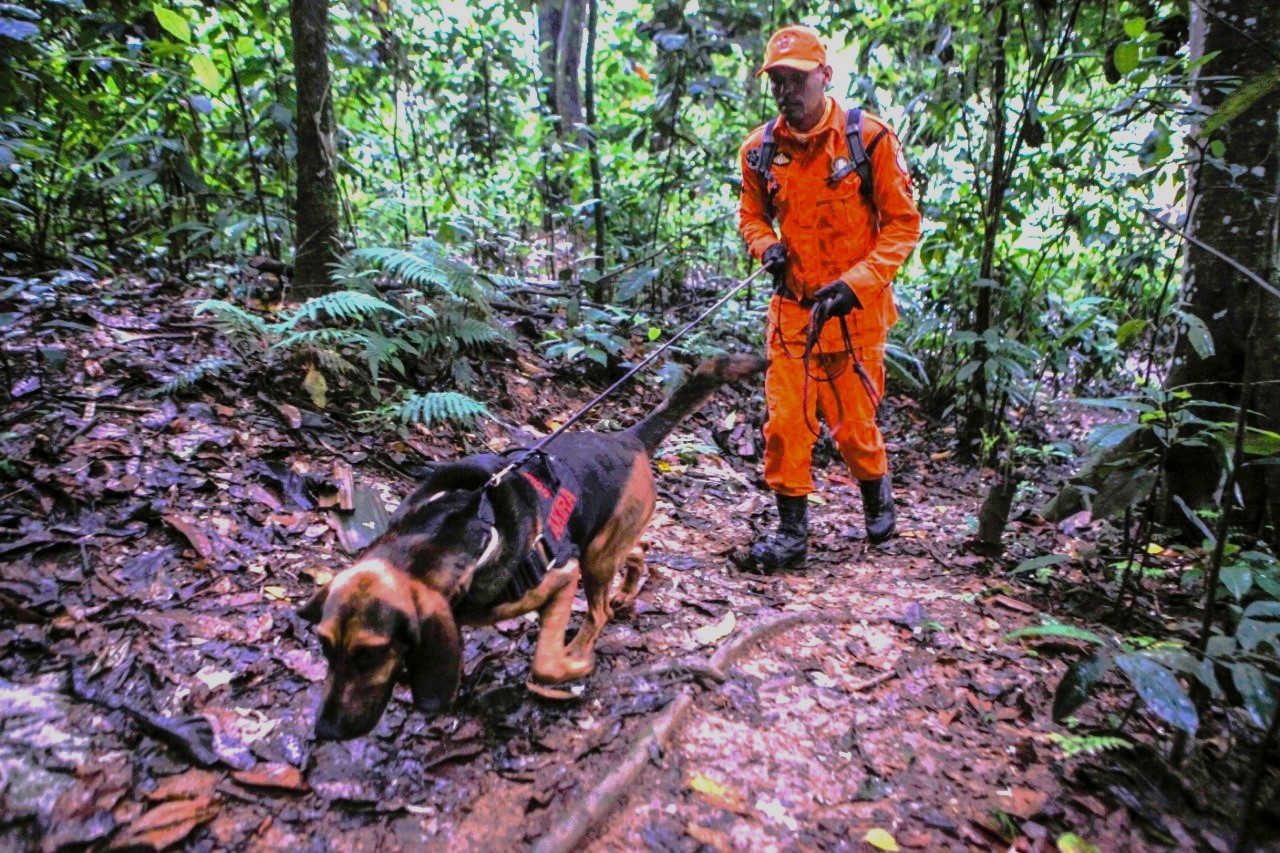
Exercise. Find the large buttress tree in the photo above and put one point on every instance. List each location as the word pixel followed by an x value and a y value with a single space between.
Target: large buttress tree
pixel 1234 211
pixel 316 228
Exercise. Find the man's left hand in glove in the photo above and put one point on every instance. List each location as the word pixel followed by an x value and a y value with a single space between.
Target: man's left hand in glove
pixel 837 299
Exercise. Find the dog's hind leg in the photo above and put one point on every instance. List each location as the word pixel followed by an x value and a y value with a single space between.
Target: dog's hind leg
pixel 634 573
pixel 551 664
pixel 613 545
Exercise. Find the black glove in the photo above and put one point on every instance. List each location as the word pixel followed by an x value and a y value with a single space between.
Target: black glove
pixel 774 260
pixel 837 299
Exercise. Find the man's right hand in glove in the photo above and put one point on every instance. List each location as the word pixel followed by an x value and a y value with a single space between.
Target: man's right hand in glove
pixel 774 260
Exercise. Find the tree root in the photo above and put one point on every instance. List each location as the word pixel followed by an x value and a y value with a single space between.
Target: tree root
pixel 874 681
pixel 600 800
pixel 595 804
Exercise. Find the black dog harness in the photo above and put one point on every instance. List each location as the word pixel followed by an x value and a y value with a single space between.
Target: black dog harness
pixel 558 495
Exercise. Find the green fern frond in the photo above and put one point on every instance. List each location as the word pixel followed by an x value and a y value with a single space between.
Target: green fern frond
pixel 233 321
pixel 435 409
pixel 192 375
pixel 420 269
pixel 322 338
pixel 380 350
pixel 351 305
pixel 1072 745
pixel 348 274
pixel 428 266
pixel 453 331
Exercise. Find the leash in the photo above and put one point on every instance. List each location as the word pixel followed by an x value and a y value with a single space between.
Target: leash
pixel 538 446
pixel 819 314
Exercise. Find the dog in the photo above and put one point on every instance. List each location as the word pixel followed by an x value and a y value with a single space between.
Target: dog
pixel 471 548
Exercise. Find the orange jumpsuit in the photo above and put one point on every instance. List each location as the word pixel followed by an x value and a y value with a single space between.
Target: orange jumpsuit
pixel 830 232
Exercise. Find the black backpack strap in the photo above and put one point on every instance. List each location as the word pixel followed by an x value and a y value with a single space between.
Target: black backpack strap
pixel 860 155
pixel 760 159
pixel 768 148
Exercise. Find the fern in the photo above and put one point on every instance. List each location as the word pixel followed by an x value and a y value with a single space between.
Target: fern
pixel 1073 745
pixel 192 375
pixel 322 337
pixel 239 326
pixel 435 409
pixel 428 267
pixel 380 349
pixel 348 274
pixel 349 305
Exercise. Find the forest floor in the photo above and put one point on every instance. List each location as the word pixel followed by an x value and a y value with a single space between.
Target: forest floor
pixel 158 687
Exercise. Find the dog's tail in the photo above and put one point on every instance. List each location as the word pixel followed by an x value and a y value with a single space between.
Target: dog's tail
pixel 709 375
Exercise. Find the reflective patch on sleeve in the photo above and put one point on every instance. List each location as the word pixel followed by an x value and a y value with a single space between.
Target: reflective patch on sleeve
pixel 902 164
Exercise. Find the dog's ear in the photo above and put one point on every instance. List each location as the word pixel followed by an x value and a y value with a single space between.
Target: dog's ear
pixel 433 662
pixel 313 608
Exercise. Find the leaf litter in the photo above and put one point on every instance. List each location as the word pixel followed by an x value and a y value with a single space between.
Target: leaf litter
pixel 158 687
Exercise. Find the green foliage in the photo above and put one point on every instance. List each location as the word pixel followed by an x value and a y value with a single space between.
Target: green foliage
pixel 1068 632
pixel 591 336
pixel 1073 745
pixel 438 408
pixel 350 306
pixel 431 315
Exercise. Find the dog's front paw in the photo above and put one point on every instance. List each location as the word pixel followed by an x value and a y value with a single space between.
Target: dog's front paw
pixel 565 669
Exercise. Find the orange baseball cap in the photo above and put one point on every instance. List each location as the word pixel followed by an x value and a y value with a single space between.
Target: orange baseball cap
pixel 797 47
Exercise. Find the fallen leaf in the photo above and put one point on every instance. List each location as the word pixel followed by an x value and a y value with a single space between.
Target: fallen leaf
pixel 166 824
pixel 1014 604
pixel 275 592
pixel 1026 803
pixel 1072 843
pixel 188 527
pixel 215 678
pixel 290 414
pixel 708 634
pixel 881 840
pixel 316 387
pixel 190 785
pixel 272 775
pixel 713 838
pixel 719 796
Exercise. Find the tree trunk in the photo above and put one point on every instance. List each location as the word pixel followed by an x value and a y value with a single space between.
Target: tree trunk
pixel 560 26
pixel 978 418
pixel 1238 215
pixel 317 203
pixel 604 292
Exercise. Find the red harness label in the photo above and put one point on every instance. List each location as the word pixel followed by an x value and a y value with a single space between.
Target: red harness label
pixel 561 511
pixel 538 485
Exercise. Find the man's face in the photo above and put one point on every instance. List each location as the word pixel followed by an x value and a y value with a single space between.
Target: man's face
pixel 800 95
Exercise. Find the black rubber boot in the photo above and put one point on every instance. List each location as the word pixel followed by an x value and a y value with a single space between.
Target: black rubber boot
pixel 787 546
pixel 878 509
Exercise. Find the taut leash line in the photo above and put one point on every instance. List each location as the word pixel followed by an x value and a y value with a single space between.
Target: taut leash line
pixel 547 439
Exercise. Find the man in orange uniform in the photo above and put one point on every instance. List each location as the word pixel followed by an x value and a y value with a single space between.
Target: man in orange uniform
pixel 839 250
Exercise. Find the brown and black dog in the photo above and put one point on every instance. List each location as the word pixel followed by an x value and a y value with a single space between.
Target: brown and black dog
pixel 455 550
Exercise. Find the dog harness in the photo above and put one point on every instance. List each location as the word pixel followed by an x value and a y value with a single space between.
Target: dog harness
pixel 557 492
